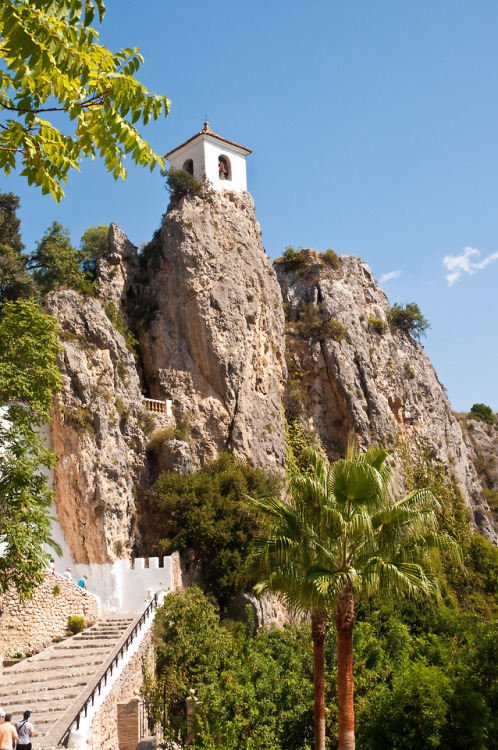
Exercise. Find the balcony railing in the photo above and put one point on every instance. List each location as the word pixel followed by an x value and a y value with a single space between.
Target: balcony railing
pixel 159 407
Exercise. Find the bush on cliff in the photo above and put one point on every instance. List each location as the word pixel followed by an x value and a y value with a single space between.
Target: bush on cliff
pixel 204 512
pixel 179 182
pixel 483 413
pixel 409 319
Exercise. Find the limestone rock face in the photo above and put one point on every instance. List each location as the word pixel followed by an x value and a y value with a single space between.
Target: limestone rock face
pixel 212 329
pixel 482 444
pixel 378 385
pixel 97 432
pixel 117 271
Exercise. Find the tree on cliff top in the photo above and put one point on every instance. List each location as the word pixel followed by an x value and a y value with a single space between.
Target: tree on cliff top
pixel 51 65
pixel 342 533
pixel 28 379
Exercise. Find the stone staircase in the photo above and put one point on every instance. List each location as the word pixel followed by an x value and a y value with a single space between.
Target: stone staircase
pixel 48 683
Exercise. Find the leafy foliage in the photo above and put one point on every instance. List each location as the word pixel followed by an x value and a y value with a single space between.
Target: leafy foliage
pixel 425 677
pixel 28 379
pixel 314 323
pixel 330 258
pixel 15 280
pixel 378 325
pixel 293 258
pixel 256 691
pixel 342 534
pixel 52 63
pixel 482 412
pixel 179 182
pixel 204 512
pixel 56 263
pixel 409 319
pixel 75 624
pixel 92 247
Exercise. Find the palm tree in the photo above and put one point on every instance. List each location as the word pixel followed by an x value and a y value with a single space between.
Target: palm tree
pixel 340 533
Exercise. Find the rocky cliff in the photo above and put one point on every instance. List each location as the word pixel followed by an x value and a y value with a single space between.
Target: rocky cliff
pixel 207 308
pixel 352 374
pixel 98 431
pixel 211 328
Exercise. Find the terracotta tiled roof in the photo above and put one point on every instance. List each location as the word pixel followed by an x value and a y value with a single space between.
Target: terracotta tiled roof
pixel 207 131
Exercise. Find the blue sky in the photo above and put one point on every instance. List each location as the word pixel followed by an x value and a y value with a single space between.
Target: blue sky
pixel 373 125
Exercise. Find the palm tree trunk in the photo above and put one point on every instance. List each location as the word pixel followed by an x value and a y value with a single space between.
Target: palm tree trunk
pixel 344 621
pixel 318 631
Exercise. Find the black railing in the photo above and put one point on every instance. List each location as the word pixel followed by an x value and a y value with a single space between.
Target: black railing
pixel 102 681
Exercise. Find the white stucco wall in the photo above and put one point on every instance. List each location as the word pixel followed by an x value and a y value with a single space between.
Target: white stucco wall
pixel 194 151
pixel 204 152
pixel 121 588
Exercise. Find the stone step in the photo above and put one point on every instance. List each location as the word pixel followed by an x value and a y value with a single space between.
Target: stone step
pixel 49 687
pixel 95 642
pixel 49 682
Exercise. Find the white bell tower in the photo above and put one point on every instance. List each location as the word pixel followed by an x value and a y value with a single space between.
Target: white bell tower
pixel 209 156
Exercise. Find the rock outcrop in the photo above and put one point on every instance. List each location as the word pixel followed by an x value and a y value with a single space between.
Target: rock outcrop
pixel 357 376
pixel 117 272
pixel 99 432
pixel 482 444
pixel 211 329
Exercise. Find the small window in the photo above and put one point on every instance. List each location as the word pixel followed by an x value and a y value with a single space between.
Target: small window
pixel 224 170
pixel 189 166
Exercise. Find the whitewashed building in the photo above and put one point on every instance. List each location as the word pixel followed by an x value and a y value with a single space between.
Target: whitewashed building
pixel 209 156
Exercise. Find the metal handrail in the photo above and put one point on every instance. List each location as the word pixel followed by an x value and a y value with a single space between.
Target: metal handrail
pixel 120 649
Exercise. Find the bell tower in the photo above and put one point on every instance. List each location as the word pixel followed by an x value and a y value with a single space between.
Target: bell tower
pixel 209 156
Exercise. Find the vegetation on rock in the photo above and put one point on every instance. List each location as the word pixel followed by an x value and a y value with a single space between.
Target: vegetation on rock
pixel 482 412
pixel 409 319
pixel 205 513
pixel 179 182
pixel 56 263
pixel 378 325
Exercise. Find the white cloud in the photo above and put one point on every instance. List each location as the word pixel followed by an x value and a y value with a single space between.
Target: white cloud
pixel 466 262
pixel 388 276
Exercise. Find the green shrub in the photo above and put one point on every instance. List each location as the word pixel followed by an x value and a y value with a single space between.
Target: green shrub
pixel 330 258
pixel 147 422
pixel 75 624
pixel 183 426
pixel 409 319
pixel 491 498
pixel 56 590
pixel 179 182
pixel 335 330
pixel 293 258
pixel 205 512
pixel 313 323
pixel 483 413
pixel 378 325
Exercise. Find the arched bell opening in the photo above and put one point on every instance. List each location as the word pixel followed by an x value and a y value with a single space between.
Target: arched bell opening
pixel 189 166
pixel 224 168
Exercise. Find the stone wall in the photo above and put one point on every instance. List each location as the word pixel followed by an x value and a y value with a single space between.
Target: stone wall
pixel 103 731
pixel 34 623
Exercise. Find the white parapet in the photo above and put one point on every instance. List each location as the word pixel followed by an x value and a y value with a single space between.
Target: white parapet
pixel 122 588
